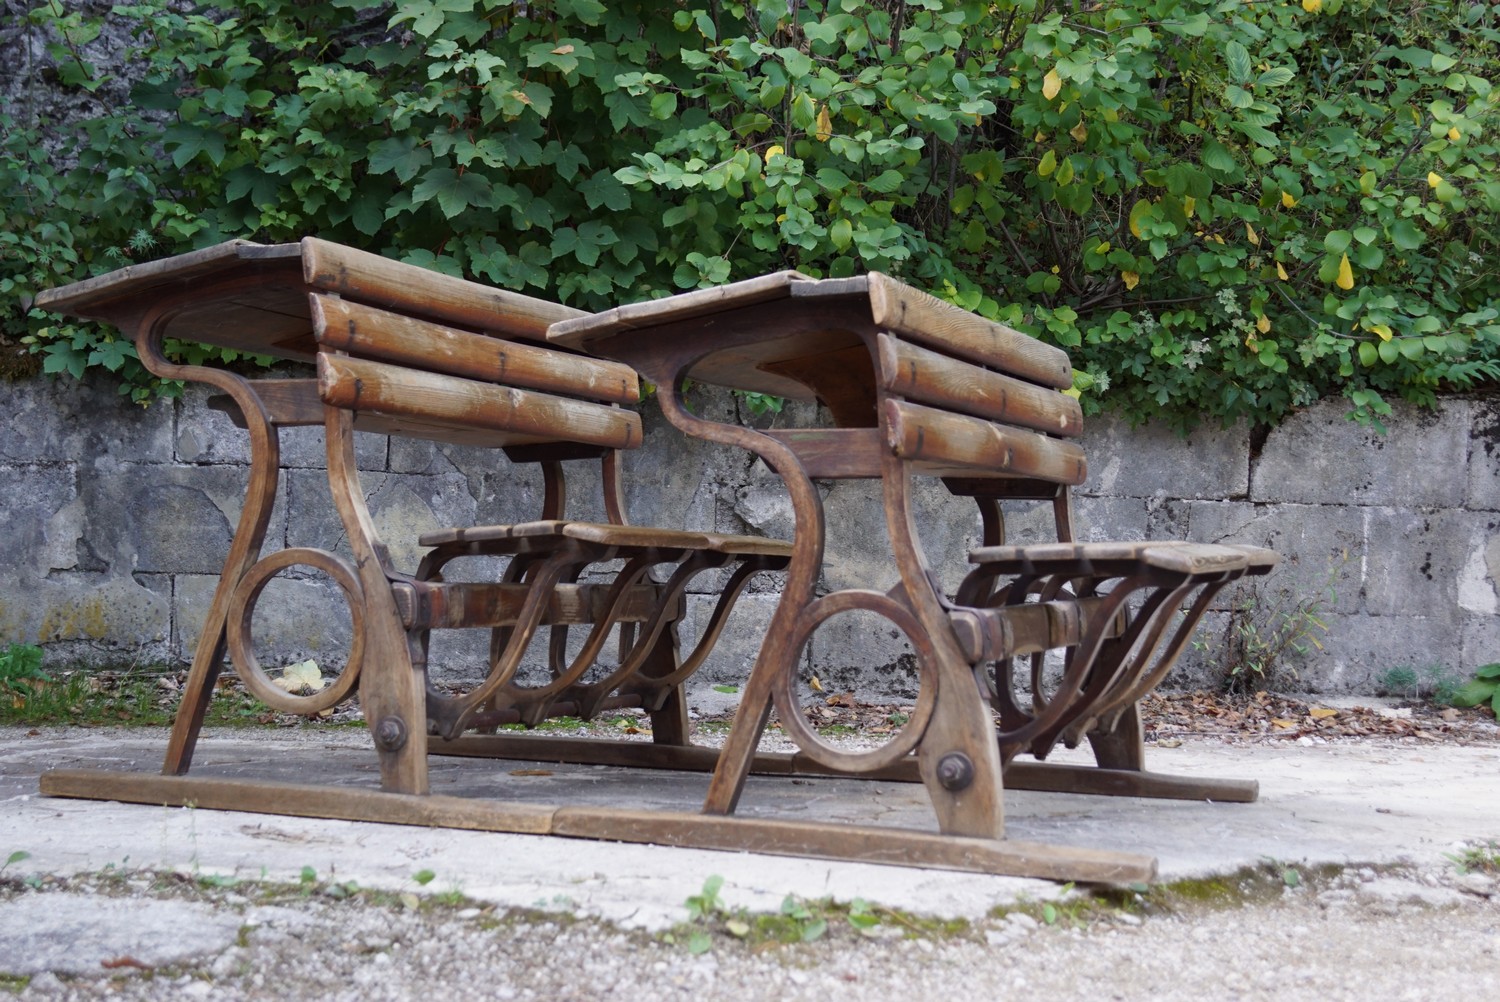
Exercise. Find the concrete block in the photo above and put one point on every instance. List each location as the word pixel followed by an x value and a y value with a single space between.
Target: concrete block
pixel 1484 455
pixel 1322 548
pixel 206 436
pixel 1102 520
pixel 41 524
pixel 1359 650
pixel 1153 461
pixel 1480 639
pixel 1434 564
pixel 864 653
pixel 1319 457
pixel 95 617
pixel 401 507
pixel 48 420
pixel 167 518
pixel 735 654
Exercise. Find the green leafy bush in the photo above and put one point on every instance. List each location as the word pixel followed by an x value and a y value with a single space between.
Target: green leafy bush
pixel 1222 209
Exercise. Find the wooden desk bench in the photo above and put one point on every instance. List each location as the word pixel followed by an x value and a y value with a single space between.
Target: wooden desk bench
pixel 914 387
pixel 403 351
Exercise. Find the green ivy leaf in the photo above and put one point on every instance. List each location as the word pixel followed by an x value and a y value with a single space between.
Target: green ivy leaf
pixel 453 191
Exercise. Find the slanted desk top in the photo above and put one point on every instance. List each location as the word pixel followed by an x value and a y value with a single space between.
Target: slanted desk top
pixel 253 297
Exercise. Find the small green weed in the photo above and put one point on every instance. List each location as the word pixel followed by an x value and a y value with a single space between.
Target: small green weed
pixel 1436 682
pixel 20 855
pixel 1266 628
pixel 21 670
pixel 1477 858
pixel 1483 688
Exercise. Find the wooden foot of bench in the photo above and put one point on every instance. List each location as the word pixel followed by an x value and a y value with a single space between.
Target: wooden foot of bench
pixel 853 843
pixel 1038 776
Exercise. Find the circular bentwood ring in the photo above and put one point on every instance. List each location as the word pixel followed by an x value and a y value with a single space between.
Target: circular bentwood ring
pixel 241 642
pixel 901 744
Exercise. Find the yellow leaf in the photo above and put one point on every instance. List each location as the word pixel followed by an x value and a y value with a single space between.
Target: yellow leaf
pixel 1217 238
pixel 825 126
pixel 562 50
pixel 1252 344
pixel 1434 179
pixel 1080 132
pixel 1281 272
pixel 1322 712
pixel 1454 134
pixel 817 686
pixel 1056 270
pixel 1345 280
pixel 1073 392
pixel 774 151
pixel 1312 6
pixel 1131 279
pixel 1287 201
pixel 1263 324
pixel 1138 211
pixel 1189 204
pixel 1051 85
pixel 1251 235
pixel 1102 248
pixel 1283 724
pixel 1385 332
pixel 1048 164
pixel 1040 137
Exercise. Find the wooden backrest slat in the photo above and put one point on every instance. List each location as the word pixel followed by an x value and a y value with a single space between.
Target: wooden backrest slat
pixel 405 288
pixel 950 442
pixel 392 337
pixel 928 377
pixel 364 386
pixel 919 317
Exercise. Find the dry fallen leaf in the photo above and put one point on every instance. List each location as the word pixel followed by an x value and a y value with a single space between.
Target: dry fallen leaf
pixel 1322 712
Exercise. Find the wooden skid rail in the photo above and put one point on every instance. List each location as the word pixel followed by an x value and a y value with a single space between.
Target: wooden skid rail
pixel 733 834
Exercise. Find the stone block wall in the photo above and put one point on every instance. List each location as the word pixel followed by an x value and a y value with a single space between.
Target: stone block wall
pixel 115 518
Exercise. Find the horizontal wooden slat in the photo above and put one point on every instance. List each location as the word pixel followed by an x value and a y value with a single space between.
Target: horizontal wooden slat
pixel 508 538
pixel 834 453
pixel 949 383
pixel 429 398
pixel 392 337
pixel 920 317
pixel 407 288
pixel 1170 556
pixel 462 605
pixel 953 442
pixel 289 403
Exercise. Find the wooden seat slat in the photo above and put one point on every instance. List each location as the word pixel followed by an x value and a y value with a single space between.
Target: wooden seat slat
pixel 370 278
pixel 608 534
pixel 920 317
pixel 431 399
pixel 1191 559
pixel 928 377
pixel 957 442
pixel 367 331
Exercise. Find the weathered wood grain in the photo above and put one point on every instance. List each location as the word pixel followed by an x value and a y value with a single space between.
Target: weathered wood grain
pixel 431 399
pixel 956 442
pixel 370 278
pixel 368 332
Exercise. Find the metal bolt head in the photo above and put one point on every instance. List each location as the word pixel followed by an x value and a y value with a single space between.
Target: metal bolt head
pixel 955 771
pixel 390 734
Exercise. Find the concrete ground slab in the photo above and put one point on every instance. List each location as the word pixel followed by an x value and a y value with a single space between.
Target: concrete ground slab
pixel 1365 802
